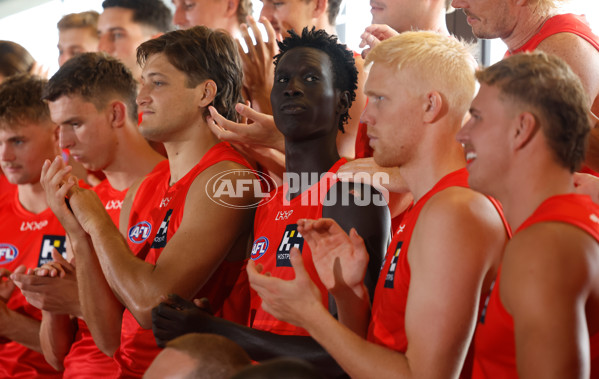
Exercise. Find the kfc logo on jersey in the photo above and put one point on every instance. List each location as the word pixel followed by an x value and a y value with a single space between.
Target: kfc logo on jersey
pixel 8 253
pixel 164 202
pixel 114 204
pixel 33 225
pixel 139 232
pixel 391 274
pixel 291 238
pixel 49 243
pixel 283 215
pixel 160 239
pixel 259 248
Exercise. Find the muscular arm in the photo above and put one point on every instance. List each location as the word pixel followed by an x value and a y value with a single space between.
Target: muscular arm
pixel 19 328
pixel 188 260
pixel 57 333
pixel 583 58
pixel 545 283
pixel 98 306
pixel 367 213
pixel 447 273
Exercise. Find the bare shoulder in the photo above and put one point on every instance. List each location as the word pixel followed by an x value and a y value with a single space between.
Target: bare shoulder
pixel 460 207
pixel 225 183
pixel 582 57
pixel 549 259
pixel 461 225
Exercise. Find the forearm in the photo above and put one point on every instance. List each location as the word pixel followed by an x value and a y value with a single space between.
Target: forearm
pixel 21 329
pixel 353 310
pixel 100 308
pixel 57 333
pixel 354 354
pixel 129 278
pixel 262 345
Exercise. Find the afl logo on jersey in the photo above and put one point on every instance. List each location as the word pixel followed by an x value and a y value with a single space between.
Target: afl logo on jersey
pixel 259 248
pixel 8 253
pixel 139 232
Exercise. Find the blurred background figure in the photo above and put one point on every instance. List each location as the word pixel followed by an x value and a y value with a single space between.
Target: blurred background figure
pixel 77 33
pixel 215 14
pixel 14 59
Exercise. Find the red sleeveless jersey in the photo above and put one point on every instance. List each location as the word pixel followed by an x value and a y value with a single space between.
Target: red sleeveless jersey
pixel 26 239
pixel 156 214
pixel 561 23
pixel 494 341
pixel 387 324
pixel 275 230
pixel 389 305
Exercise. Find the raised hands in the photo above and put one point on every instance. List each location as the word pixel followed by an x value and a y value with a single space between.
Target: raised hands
pixel 59 184
pixel 375 34
pixel 7 286
pixel 340 260
pixel 262 131
pixel 292 301
pixel 51 287
pixel 258 69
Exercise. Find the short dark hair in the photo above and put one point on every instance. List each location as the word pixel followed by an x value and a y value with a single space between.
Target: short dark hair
pixel 14 59
pixel 96 77
pixel 151 13
pixel 345 73
pixel 21 101
pixel 202 53
pixel 548 85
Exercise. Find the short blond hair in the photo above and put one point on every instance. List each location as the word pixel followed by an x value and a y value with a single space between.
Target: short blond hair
pixel 442 63
pixel 546 6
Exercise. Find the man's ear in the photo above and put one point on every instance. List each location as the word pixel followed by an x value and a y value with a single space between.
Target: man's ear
pixel 526 127
pixel 433 107
pixel 232 6
pixel 118 114
pixel 208 94
pixel 320 8
pixel 343 103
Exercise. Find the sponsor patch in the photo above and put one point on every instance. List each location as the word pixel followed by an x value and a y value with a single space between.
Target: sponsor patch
pixel 259 248
pixel 49 243
pixel 291 238
pixel 8 253
pixel 160 239
pixel 139 232
pixel 390 278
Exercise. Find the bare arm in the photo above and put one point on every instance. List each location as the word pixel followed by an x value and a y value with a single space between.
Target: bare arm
pixel 583 59
pixel 545 283
pixel 57 333
pixel 453 261
pixel 181 268
pixel 98 306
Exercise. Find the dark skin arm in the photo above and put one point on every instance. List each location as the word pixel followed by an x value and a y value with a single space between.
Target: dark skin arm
pixel 177 316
